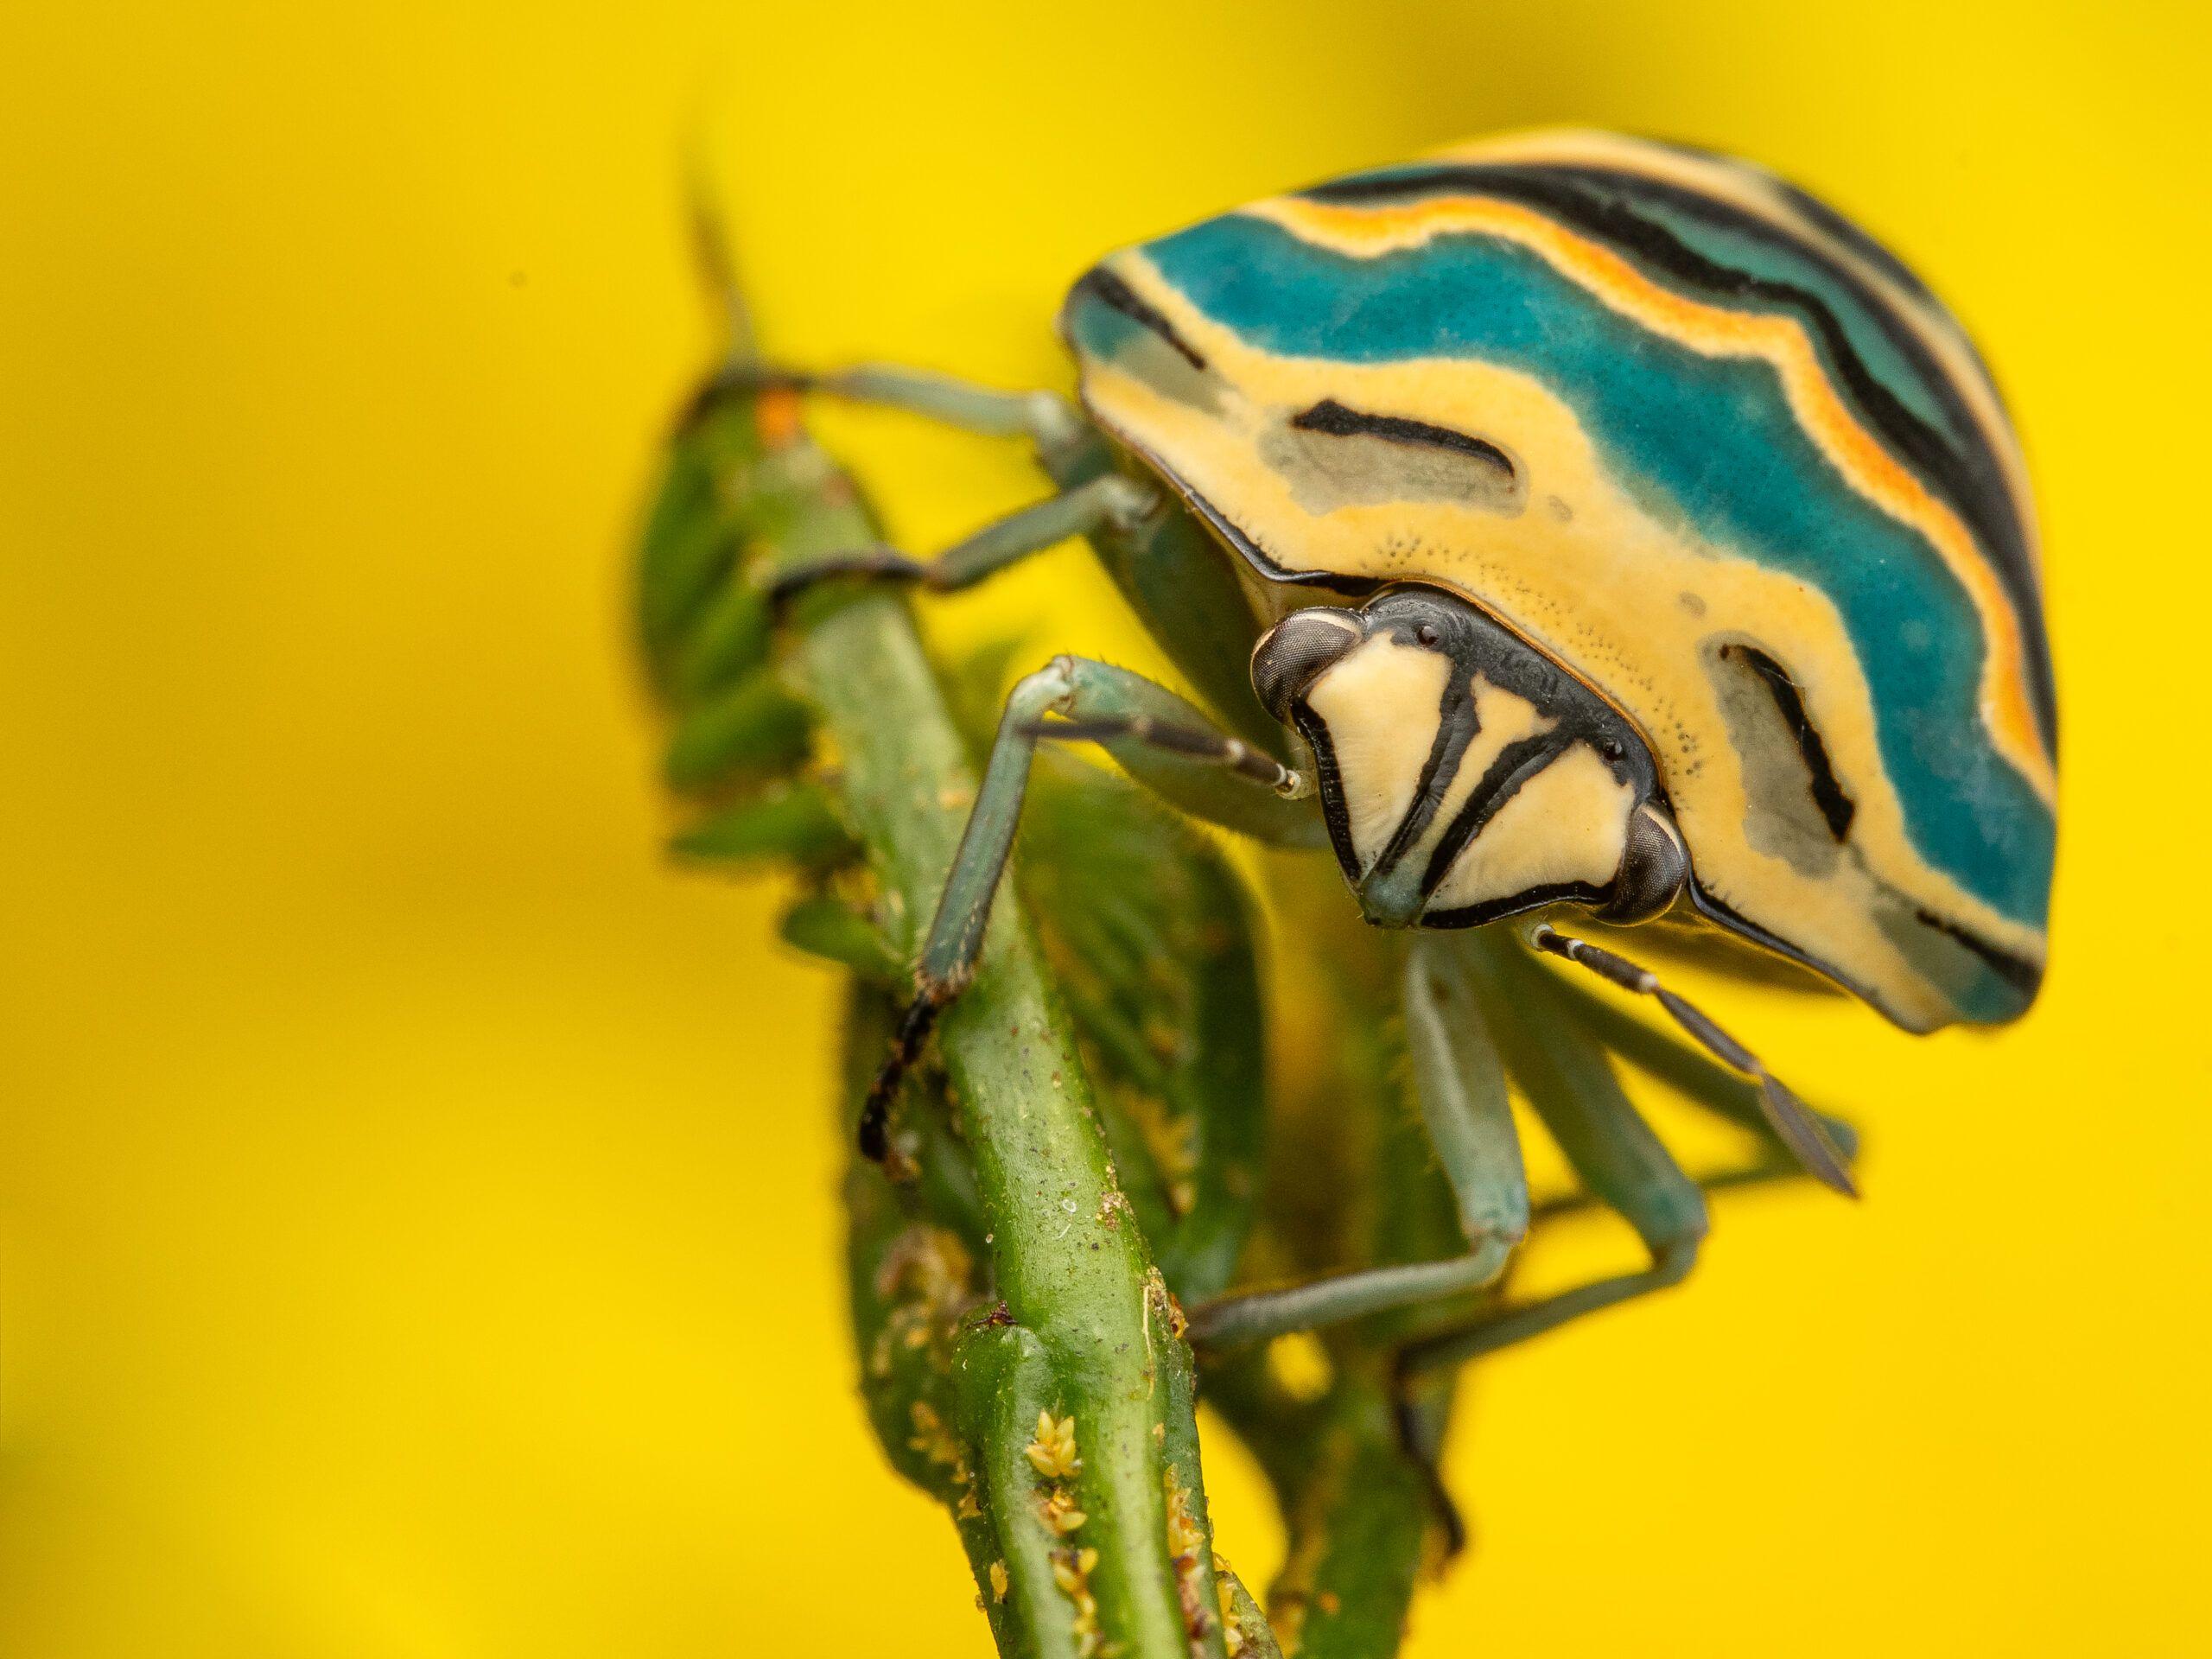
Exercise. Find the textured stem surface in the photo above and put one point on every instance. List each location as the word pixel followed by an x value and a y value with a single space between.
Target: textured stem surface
pixel 1090 1492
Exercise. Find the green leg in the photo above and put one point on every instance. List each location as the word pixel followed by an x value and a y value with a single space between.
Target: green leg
pixel 1794 1123
pixel 1109 501
pixel 1162 740
pixel 1572 1088
pixel 1044 416
pixel 1167 564
pixel 1460 1083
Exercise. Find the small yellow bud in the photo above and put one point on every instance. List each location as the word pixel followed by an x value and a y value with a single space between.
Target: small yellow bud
pixel 1052 1453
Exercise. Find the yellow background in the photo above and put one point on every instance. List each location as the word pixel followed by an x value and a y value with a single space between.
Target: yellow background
pixel 416 1234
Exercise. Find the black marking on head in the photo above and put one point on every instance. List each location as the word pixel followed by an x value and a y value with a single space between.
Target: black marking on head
pixel 1329 785
pixel 1476 647
pixel 1490 910
pixel 1838 807
pixel 1458 724
pixel 1332 417
pixel 1515 764
pixel 1602 202
pixel 1110 291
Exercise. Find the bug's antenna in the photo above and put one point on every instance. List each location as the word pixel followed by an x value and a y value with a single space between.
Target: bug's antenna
pixel 711 248
pixel 1790 1119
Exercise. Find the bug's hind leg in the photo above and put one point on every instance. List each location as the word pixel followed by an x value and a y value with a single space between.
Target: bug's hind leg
pixel 1793 1123
pixel 1044 417
pixel 1459 1084
pixel 1162 741
pixel 1110 500
pixel 990 412
pixel 1572 1088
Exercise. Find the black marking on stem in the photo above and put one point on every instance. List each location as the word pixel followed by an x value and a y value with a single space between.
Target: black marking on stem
pixel 1332 417
pixel 736 380
pixel 1837 807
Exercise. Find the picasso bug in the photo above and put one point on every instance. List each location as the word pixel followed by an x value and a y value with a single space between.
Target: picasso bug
pixel 1574 533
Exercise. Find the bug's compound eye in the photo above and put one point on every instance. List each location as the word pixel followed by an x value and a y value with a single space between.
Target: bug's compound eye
pixel 1655 866
pixel 1295 652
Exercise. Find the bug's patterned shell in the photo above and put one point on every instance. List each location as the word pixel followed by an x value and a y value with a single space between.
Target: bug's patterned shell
pixel 1696 438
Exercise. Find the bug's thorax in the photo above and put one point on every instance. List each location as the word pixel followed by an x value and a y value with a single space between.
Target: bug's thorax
pixel 1464 775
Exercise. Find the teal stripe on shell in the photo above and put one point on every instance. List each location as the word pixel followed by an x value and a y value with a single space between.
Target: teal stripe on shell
pixel 1707 444
pixel 1753 256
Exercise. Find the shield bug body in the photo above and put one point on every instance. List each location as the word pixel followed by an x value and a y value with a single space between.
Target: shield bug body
pixel 1613 530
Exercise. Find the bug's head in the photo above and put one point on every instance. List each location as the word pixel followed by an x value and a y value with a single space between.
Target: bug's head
pixel 1463 774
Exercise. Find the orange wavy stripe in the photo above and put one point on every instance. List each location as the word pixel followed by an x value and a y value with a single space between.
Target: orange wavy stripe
pixel 2007 708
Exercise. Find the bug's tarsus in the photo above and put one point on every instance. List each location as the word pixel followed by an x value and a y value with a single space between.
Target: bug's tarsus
pixel 1671 1263
pixel 880 564
pixel 1246 1317
pixel 1198 743
pixel 1110 499
pixel 1084 695
pixel 1790 1119
pixel 914 1027
pixel 1426 1459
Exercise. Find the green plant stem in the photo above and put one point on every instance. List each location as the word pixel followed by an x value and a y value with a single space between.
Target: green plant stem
pixel 1070 1268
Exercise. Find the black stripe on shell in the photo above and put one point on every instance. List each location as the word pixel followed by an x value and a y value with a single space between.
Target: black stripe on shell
pixel 1601 202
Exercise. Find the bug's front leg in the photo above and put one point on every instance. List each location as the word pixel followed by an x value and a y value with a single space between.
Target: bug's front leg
pixel 1162 741
pixel 1460 1083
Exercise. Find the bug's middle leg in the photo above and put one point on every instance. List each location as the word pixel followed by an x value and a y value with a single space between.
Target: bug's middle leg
pixel 1461 1086
pixel 1572 1088
pixel 1108 501
pixel 1162 740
